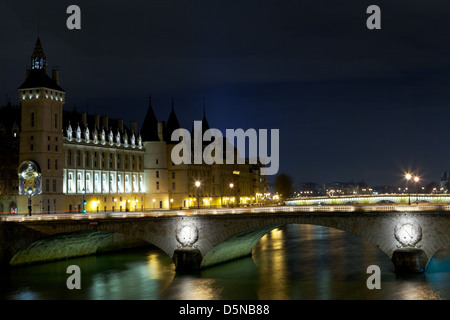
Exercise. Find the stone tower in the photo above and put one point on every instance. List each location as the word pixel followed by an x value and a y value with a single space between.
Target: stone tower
pixel 41 138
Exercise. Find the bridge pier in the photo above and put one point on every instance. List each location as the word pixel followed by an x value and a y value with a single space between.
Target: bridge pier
pixel 187 259
pixel 409 260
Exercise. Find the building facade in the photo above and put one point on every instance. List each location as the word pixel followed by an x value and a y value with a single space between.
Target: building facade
pixel 91 163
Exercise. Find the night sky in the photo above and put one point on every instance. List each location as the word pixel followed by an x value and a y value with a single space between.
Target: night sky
pixel 350 103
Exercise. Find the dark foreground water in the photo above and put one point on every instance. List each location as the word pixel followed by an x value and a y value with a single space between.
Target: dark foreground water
pixel 292 262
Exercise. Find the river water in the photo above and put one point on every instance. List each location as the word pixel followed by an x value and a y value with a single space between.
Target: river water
pixel 291 262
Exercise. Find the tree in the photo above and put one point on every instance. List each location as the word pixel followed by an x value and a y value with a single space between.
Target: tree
pixel 283 185
pixel 432 187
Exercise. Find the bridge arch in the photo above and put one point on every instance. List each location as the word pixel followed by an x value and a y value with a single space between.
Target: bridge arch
pixel 241 244
pixel 27 244
pixel 73 244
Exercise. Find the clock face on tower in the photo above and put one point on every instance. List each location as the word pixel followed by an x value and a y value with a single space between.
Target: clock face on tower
pixel 408 234
pixel 187 234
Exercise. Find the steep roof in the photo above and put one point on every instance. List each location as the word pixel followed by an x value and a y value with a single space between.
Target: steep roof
pixel 172 124
pixel 37 76
pixel 149 130
pixel 38 53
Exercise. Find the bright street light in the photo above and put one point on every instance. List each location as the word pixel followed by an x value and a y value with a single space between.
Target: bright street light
pixel 416 179
pixel 197 184
pixel 408 177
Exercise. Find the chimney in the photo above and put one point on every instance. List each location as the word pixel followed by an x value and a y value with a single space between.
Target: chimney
pixel 55 76
pixel 120 124
pixel 97 121
pixel 27 73
pixel 84 119
pixel 161 130
pixel 105 122
pixel 133 126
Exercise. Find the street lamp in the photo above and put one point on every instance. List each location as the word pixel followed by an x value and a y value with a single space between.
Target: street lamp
pixel 416 179
pixel 231 189
pixel 197 184
pixel 84 201
pixel 408 177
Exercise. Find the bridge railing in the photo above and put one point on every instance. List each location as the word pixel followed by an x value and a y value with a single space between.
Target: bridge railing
pixel 254 210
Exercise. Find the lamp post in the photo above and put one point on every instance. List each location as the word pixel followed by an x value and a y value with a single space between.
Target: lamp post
pixel 29 202
pixel 416 179
pixel 408 177
pixel 84 201
pixel 231 189
pixel 197 184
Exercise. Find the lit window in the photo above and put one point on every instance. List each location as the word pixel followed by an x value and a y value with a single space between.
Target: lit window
pixel 127 183
pixel 70 181
pixel 96 186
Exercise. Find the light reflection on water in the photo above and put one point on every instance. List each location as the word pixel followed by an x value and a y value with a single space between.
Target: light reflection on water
pixel 292 262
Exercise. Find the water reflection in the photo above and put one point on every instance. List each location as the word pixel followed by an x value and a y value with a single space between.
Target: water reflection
pixel 291 262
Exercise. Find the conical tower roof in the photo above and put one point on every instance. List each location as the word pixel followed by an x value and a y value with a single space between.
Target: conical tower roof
pixel 172 124
pixel 149 130
pixel 38 59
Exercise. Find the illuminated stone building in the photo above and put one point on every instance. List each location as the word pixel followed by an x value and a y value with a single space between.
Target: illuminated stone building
pixel 98 164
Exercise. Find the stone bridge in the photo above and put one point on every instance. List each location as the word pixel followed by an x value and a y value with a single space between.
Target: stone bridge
pixel 199 239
